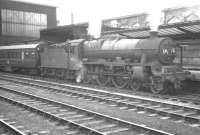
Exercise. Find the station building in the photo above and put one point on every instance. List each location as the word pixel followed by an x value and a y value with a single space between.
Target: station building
pixel 21 21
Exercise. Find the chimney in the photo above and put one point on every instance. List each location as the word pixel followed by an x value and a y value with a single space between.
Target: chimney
pixel 153 34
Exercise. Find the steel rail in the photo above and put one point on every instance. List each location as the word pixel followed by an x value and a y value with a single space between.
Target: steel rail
pixel 181 98
pixel 187 112
pixel 11 128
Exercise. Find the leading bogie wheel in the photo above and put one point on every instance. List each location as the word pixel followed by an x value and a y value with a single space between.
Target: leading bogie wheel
pixel 156 85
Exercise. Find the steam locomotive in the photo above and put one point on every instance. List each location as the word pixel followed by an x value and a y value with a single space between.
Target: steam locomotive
pixel 121 62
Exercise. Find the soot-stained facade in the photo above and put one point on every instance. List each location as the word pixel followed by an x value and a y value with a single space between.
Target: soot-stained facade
pixel 20 21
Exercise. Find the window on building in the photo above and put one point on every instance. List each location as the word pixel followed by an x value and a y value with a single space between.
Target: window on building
pixel 21 23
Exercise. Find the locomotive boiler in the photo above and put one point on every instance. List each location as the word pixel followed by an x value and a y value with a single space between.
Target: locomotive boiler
pixel 161 49
pixel 134 63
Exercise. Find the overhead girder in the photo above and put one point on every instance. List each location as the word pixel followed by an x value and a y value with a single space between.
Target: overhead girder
pixel 183 27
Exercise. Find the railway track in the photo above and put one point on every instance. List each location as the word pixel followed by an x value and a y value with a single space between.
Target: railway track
pixel 84 121
pixel 32 122
pixel 183 96
pixel 178 111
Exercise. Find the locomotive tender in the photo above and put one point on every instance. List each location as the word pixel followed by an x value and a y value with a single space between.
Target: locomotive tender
pixel 115 61
pixel 61 60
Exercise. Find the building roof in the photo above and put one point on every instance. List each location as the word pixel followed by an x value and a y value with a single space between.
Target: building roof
pixel 127 16
pixel 65 27
pixel 32 3
pixel 177 31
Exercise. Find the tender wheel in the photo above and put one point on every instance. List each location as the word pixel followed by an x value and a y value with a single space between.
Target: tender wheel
pixel 135 84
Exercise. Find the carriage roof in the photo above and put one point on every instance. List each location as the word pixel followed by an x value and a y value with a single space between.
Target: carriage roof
pixel 24 46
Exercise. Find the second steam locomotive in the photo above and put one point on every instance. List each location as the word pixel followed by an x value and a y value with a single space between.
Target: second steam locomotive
pixel 134 63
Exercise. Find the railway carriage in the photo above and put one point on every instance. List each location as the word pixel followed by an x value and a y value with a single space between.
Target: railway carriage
pixel 20 57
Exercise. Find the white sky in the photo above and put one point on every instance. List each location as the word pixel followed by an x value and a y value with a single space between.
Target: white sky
pixel 93 11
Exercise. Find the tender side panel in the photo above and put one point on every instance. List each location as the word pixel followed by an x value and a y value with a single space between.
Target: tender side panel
pixel 54 58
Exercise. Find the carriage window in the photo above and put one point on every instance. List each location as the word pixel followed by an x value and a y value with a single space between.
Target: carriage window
pixel 26 53
pixel 13 55
pixel 33 54
pixel 4 55
pixel 9 55
pixel 70 49
pixel 18 55
pixel 29 54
